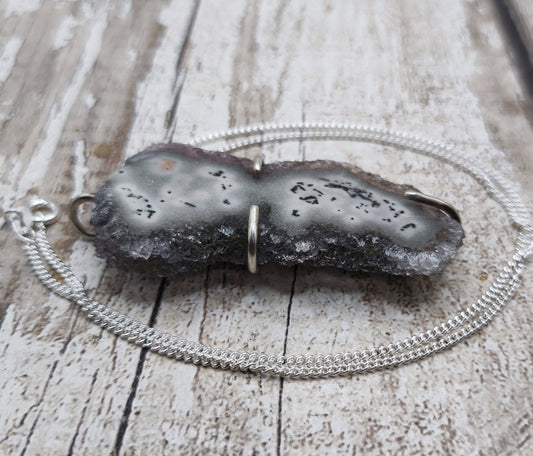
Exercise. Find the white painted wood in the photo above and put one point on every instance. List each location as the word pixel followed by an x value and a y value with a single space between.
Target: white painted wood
pixel 70 394
pixel 113 74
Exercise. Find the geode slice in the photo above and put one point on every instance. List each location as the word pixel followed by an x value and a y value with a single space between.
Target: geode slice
pixel 174 208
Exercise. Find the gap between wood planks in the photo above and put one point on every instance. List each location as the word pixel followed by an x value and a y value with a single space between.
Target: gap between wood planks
pixel 282 380
pixel 138 371
pixel 517 48
pixel 179 77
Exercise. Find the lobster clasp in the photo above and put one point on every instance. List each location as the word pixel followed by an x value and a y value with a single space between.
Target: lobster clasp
pixel 22 219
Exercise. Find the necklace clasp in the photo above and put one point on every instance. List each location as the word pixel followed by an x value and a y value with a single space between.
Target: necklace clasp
pixel 22 219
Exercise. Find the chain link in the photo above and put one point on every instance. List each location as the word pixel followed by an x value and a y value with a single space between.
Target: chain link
pixel 47 266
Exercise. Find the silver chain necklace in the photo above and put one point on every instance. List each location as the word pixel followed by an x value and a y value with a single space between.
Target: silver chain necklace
pixel 30 226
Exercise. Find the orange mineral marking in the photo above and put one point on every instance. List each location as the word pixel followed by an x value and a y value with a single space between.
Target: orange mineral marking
pixel 167 165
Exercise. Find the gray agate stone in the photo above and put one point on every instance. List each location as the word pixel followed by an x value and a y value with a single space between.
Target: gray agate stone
pixel 174 208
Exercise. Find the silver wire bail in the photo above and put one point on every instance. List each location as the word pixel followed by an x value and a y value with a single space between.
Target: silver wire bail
pixel 441 205
pixel 259 159
pixel 253 220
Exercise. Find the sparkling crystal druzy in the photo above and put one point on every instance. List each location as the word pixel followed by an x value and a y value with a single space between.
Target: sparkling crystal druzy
pixel 174 208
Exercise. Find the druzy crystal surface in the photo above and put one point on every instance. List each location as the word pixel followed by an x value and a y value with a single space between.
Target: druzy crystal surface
pixel 174 208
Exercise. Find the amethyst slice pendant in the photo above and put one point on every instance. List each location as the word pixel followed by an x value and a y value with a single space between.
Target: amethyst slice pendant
pixel 174 208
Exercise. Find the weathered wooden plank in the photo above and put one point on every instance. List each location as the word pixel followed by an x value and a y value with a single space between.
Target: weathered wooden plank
pixel 210 411
pixel 59 393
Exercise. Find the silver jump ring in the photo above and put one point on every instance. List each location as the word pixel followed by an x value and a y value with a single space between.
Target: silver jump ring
pixel 43 211
pixel 74 214
pixel 253 220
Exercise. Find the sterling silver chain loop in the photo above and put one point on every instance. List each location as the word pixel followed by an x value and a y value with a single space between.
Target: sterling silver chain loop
pixel 47 265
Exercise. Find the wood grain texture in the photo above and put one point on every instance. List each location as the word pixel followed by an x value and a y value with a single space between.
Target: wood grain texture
pixel 82 87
